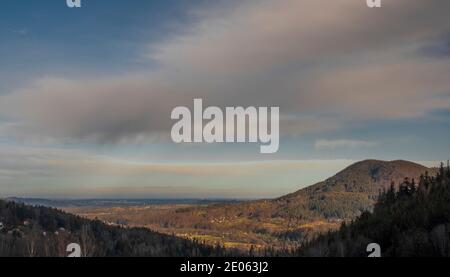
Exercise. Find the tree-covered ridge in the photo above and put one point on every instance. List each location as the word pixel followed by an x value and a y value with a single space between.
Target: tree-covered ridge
pixel 411 220
pixel 351 191
pixel 27 231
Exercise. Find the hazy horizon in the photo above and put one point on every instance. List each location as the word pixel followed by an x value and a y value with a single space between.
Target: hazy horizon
pixel 187 196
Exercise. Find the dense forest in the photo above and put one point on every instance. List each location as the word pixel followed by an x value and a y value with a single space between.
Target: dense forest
pixel 28 231
pixel 410 220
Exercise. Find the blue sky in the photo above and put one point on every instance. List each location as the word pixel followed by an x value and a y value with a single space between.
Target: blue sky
pixel 86 94
pixel 103 36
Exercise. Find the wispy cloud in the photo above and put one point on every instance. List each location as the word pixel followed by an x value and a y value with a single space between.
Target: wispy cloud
pixel 21 32
pixel 26 171
pixel 342 143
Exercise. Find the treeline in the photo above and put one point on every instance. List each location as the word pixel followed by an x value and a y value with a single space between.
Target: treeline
pixel 413 220
pixel 28 231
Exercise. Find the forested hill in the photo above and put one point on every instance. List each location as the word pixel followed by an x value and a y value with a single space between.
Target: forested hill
pixel 28 231
pixel 368 176
pixel 351 191
pixel 412 219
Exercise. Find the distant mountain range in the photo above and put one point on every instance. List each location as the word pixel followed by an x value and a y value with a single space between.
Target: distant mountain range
pixel 70 203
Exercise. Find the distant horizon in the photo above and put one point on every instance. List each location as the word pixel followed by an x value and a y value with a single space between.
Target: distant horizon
pixel 429 164
pixel 62 198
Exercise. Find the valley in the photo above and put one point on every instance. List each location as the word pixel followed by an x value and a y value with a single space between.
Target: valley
pixel 281 223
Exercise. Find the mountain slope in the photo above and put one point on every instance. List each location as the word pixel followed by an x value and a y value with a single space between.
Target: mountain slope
pixel 353 190
pixel 368 176
pixel 410 221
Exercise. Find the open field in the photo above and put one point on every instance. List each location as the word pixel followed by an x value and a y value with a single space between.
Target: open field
pixel 209 224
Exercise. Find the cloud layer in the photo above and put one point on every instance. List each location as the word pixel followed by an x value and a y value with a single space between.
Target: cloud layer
pixel 345 143
pixel 330 61
pixel 44 172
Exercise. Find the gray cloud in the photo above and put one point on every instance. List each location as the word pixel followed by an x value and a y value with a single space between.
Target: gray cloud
pixel 438 48
pixel 331 62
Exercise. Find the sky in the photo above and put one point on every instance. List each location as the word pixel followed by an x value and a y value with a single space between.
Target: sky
pixel 86 94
